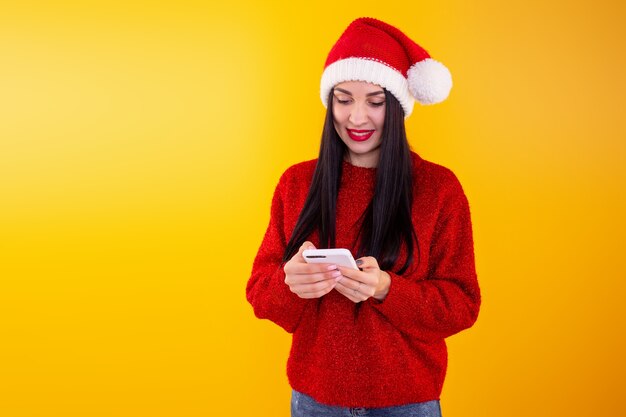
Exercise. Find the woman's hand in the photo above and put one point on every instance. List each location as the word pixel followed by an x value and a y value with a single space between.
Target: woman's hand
pixel 310 280
pixel 370 281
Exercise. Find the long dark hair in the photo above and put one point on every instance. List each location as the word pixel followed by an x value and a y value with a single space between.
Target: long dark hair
pixel 386 222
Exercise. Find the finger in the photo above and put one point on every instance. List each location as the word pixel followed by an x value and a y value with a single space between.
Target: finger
pixel 293 280
pixel 351 295
pixel 367 262
pixel 311 272
pixel 353 286
pixel 360 276
pixel 354 274
pixel 349 283
pixel 355 289
pixel 315 290
pixel 306 245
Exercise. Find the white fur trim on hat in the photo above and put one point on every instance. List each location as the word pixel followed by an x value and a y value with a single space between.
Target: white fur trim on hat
pixel 364 69
pixel 430 81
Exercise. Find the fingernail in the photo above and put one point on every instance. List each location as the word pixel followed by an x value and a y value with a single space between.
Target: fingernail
pixel 336 274
pixel 332 267
pixel 359 261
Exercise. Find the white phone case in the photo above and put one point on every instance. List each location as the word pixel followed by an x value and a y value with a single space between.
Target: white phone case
pixel 341 257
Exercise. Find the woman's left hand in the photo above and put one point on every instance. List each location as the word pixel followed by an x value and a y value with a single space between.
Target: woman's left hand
pixel 370 281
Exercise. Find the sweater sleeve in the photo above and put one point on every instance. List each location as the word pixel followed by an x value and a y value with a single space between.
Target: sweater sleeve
pixel 266 290
pixel 448 300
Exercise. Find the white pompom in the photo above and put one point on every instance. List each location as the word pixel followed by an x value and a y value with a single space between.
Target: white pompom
pixel 430 81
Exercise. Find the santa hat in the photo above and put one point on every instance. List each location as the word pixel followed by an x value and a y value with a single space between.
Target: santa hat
pixel 373 51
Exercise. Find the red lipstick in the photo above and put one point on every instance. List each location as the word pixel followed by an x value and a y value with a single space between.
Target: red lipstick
pixel 360 135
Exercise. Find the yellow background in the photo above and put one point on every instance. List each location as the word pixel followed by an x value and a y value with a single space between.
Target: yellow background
pixel 140 143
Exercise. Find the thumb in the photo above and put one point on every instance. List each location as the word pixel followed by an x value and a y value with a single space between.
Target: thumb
pixel 367 262
pixel 305 245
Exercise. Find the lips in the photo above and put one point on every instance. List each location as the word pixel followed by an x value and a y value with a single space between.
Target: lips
pixel 360 135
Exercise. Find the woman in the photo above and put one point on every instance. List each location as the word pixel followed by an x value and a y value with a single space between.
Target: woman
pixel 369 341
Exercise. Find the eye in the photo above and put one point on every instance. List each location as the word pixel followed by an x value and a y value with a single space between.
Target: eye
pixel 342 101
pixel 377 103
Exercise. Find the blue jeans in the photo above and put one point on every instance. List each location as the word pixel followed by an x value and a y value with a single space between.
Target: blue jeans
pixel 304 406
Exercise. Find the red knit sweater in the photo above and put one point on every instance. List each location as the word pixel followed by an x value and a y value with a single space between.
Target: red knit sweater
pixel 375 354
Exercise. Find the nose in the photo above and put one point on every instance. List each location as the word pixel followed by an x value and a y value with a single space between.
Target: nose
pixel 358 114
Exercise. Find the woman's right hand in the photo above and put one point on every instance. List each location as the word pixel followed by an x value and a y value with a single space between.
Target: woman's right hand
pixel 310 280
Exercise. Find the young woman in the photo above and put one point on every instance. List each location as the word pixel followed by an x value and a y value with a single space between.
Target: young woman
pixel 369 341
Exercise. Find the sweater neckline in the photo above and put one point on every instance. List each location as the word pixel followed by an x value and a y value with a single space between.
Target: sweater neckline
pixel 348 166
pixel 352 175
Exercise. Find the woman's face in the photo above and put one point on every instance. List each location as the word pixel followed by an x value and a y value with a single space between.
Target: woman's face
pixel 359 117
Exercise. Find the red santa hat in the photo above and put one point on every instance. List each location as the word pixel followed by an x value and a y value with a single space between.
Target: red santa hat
pixel 374 51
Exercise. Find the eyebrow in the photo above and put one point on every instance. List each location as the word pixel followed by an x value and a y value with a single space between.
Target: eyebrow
pixel 367 95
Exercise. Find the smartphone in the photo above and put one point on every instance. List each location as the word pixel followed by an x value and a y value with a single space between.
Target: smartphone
pixel 341 257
